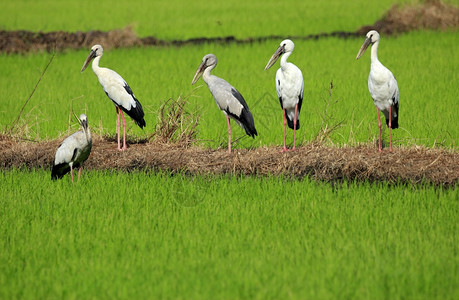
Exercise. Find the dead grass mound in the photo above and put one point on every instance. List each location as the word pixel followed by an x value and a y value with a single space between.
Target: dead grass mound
pixel 414 165
pixel 432 14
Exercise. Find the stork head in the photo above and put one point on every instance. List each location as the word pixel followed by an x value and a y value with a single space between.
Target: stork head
pixel 83 121
pixel 371 38
pixel 286 46
pixel 96 50
pixel 209 60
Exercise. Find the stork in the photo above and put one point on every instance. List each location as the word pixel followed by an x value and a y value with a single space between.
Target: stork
pixel 228 99
pixel 289 87
pixel 382 86
pixel 73 151
pixel 117 90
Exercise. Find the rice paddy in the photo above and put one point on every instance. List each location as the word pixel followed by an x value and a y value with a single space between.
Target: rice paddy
pixel 124 235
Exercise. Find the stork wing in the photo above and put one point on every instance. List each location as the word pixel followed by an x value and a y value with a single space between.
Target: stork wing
pixel 279 77
pixel 300 97
pixel 117 89
pixel 66 151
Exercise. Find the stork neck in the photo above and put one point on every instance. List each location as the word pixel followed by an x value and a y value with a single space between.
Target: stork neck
pixel 284 57
pixel 95 64
pixel 206 74
pixel 87 133
pixel 374 53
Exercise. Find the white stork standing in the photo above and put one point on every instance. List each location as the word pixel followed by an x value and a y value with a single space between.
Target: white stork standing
pixel 228 99
pixel 289 87
pixel 73 151
pixel 118 91
pixel 382 86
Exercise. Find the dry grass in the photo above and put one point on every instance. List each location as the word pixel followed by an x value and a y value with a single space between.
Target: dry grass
pixel 176 125
pixel 413 165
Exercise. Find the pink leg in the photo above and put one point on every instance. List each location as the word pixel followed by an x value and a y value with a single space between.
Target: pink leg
pixel 390 128
pixel 379 126
pixel 79 173
pixel 229 134
pixel 118 127
pixel 285 132
pixel 294 126
pixel 71 173
pixel 124 130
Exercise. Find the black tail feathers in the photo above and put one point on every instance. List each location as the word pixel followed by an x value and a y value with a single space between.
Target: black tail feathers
pixel 59 171
pixel 393 123
pixel 291 125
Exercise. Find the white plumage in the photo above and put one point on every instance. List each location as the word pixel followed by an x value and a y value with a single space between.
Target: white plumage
pixel 382 86
pixel 227 98
pixel 73 151
pixel 289 87
pixel 118 91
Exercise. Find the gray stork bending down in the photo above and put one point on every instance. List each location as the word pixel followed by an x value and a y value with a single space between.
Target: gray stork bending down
pixel 73 151
pixel 382 86
pixel 289 87
pixel 228 99
pixel 118 91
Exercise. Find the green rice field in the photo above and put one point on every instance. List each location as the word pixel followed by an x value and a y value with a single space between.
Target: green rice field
pixel 155 235
pixel 176 19
pixel 137 235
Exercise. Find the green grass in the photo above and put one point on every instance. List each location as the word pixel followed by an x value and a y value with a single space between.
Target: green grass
pixel 178 20
pixel 137 235
pixel 422 62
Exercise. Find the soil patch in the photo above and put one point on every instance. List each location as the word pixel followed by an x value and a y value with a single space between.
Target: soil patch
pixel 432 14
pixel 416 165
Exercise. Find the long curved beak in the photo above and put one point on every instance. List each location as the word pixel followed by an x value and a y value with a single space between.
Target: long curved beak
pixel 275 57
pixel 363 48
pixel 84 124
pixel 90 57
pixel 199 72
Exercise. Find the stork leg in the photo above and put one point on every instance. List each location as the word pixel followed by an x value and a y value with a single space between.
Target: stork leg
pixel 294 126
pixel 379 126
pixel 79 173
pixel 118 126
pixel 285 132
pixel 390 128
pixel 124 131
pixel 229 134
pixel 71 172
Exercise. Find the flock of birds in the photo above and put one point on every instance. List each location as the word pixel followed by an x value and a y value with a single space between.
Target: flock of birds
pixel 382 85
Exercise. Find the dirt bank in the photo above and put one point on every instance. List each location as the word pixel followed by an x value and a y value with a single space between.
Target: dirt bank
pixel 410 165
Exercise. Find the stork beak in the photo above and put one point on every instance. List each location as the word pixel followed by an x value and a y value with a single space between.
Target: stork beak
pixel 199 72
pixel 275 57
pixel 363 48
pixel 84 124
pixel 91 55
